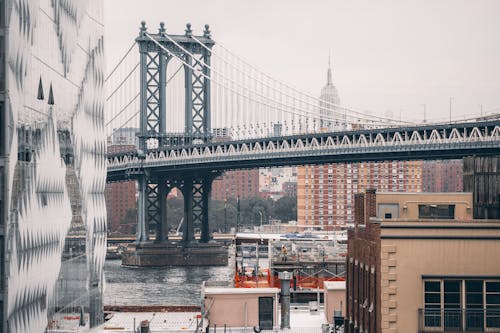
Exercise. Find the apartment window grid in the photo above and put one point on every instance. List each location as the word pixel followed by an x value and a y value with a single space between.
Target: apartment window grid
pixel 461 304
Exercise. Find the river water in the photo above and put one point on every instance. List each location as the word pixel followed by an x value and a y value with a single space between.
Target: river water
pixel 157 285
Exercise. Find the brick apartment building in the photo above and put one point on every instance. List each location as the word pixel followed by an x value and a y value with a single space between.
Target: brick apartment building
pixel 242 183
pixel 325 193
pixel 482 177
pixel 442 176
pixel 120 199
pixel 417 262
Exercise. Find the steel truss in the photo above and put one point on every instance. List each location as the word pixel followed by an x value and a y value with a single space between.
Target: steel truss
pixel 153 189
pixel 424 142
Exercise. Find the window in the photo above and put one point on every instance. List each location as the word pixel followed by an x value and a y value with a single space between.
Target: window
pixel 461 305
pixel 436 211
pixel 493 304
pixel 451 303
pixel 474 304
pixel 432 305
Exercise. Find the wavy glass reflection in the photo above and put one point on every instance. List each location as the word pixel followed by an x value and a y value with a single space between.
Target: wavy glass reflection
pixel 53 165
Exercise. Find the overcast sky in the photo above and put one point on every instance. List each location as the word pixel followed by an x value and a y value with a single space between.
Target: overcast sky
pixel 386 55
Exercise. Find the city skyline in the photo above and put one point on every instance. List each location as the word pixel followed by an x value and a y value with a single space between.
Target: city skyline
pixel 388 57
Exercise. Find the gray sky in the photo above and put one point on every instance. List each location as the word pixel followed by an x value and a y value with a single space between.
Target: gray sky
pixel 386 55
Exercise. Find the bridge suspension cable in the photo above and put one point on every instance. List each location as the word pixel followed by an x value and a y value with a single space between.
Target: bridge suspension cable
pixel 202 63
pixel 244 98
pixel 338 106
pixel 120 61
pixel 323 105
pixel 123 81
pixel 130 103
pixel 240 93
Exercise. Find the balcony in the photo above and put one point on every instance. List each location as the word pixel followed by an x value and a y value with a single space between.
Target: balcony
pixel 458 320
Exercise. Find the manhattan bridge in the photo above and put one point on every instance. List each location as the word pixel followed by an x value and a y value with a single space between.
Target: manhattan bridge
pixel 199 110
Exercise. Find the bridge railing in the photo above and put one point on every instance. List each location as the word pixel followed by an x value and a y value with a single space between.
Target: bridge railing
pixel 356 142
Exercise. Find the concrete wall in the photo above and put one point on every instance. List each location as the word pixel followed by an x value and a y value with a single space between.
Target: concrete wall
pixel 410 250
pixel 334 298
pixel 237 307
pixel 408 203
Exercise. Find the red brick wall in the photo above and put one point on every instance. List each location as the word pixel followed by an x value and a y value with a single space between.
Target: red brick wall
pixel 120 197
pixel 242 183
pixel 370 204
pixel 363 254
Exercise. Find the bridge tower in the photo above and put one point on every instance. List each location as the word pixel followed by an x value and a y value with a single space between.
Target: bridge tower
pixel 156 51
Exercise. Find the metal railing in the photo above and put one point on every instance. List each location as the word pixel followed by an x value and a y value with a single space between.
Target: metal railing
pixel 229 329
pixel 458 320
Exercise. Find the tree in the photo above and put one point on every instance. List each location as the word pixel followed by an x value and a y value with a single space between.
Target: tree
pixel 285 209
pixel 175 212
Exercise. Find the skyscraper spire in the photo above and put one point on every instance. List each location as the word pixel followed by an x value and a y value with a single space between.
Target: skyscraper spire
pixel 329 74
pixel 328 100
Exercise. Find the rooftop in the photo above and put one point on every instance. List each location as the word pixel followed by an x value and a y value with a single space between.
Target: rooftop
pixel 236 291
pixel 334 285
pixel 301 320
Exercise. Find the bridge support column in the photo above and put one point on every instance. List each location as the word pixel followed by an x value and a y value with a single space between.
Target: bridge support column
pixel 188 227
pixel 162 87
pixel 158 209
pixel 205 230
pixel 142 232
pixel 188 84
pixel 162 223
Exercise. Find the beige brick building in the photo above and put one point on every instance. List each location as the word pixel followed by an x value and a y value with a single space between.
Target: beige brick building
pixel 432 270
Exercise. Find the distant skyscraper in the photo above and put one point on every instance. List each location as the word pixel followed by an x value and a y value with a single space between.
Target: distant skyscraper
pixel 125 136
pixel 325 193
pixel 329 97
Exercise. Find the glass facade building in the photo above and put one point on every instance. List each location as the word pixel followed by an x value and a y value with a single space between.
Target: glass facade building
pixel 52 165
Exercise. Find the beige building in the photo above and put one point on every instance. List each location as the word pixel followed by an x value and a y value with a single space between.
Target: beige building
pixel 334 299
pixel 241 307
pixel 427 274
pixel 455 206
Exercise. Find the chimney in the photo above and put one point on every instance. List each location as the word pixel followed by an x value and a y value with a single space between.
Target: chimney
pixel 285 278
pixel 359 210
pixel 370 204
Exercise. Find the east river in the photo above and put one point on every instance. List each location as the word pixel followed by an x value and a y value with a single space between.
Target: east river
pixel 157 285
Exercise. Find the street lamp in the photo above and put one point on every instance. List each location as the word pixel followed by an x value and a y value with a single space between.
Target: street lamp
pixel 425 113
pixel 451 98
pixel 225 215
pixel 238 214
pixel 260 213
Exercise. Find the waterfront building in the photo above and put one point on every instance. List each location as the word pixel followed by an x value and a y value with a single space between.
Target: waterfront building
pixel 482 177
pixel 52 165
pixel 238 183
pixel 121 201
pixel 126 136
pixel 430 269
pixel 290 189
pixel 277 182
pixel 442 176
pixel 325 193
